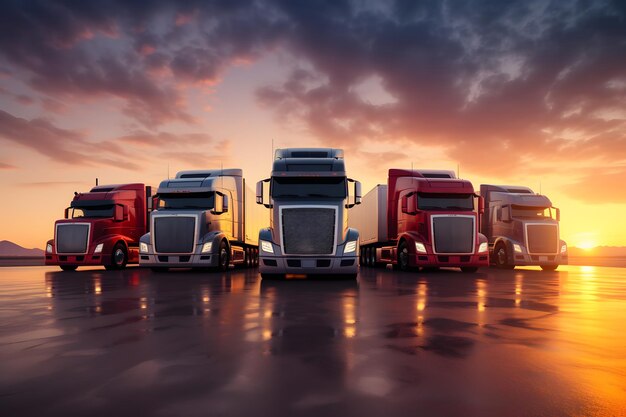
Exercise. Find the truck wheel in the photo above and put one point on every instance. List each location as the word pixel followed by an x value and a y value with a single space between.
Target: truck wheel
pixel 256 257
pixel 502 257
pixel 224 257
pixel 119 257
pixel 469 269
pixel 69 267
pixel 373 257
pixel 272 277
pixel 403 256
pixel 549 267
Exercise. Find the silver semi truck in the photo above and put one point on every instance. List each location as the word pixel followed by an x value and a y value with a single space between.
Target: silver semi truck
pixel 202 219
pixel 309 195
pixel 522 228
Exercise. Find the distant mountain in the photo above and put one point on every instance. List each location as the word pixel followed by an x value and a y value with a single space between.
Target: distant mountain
pixel 598 251
pixel 11 249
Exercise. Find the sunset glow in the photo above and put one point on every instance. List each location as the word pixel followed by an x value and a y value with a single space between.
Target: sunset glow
pixel 129 93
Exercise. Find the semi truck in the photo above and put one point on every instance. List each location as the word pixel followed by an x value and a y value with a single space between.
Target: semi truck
pixel 309 195
pixel 421 218
pixel 203 219
pixel 101 227
pixel 522 228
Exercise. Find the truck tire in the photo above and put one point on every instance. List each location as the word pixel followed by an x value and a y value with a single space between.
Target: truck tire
pixel 469 269
pixel 223 260
pixel 373 257
pixel 501 257
pixel 273 277
pixel 68 268
pixel 403 256
pixel 248 258
pixel 119 257
pixel 256 257
pixel 549 267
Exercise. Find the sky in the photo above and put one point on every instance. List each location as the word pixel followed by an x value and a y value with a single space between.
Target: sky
pixel 518 92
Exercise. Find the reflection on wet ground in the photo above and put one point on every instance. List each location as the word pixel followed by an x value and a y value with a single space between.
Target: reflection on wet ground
pixel 501 343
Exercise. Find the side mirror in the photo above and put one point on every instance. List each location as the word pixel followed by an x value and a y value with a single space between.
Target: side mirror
pixel 118 216
pixel 558 214
pixel 481 204
pixel 225 204
pixel 405 205
pixel 260 193
pixel 218 205
pixel 67 213
pixel 356 193
pixel 506 213
pixel 409 204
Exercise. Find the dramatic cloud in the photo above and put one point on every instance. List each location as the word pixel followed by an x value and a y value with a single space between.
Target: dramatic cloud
pixel 6 166
pixel 500 86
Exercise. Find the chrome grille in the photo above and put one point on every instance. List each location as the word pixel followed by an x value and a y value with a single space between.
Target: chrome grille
pixel 308 231
pixel 542 238
pixel 72 238
pixel 453 234
pixel 174 234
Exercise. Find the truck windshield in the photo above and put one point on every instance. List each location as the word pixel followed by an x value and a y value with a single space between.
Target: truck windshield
pixel 464 202
pixel 531 212
pixel 326 187
pixel 202 201
pixel 92 212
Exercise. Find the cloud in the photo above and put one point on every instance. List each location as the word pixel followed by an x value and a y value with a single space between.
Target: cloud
pixel 4 165
pixel 499 86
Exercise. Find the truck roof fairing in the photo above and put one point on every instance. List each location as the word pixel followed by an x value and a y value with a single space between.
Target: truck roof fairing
pixel 308 153
pixel 110 192
pixel 204 173
pixel 189 185
pixel 316 166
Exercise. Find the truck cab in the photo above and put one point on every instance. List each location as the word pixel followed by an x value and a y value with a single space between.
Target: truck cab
pixel 101 227
pixel 522 228
pixel 309 195
pixel 422 219
pixel 201 220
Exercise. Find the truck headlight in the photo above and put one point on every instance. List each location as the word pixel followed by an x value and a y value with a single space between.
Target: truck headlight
pixel 517 248
pixel 419 247
pixel 49 248
pixel 266 247
pixel 207 247
pixel 98 248
pixel 563 248
pixel 143 247
pixel 484 247
pixel 350 247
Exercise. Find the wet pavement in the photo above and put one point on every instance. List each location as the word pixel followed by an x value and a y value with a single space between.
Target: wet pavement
pixel 495 343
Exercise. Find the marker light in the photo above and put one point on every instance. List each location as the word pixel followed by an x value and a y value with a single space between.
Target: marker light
pixel 484 247
pixel 98 248
pixel 517 248
pixel 267 247
pixel 49 248
pixel 563 248
pixel 420 247
pixel 350 247
pixel 143 247
pixel 207 247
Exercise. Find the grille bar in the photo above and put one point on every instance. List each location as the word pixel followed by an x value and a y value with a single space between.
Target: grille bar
pixel 453 235
pixel 308 230
pixel 174 234
pixel 542 238
pixel 72 238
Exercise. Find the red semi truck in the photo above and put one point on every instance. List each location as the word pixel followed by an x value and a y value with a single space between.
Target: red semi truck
pixel 421 218
pixel 101 227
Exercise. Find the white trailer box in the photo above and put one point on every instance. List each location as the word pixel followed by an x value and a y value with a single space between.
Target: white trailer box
pixel 372 229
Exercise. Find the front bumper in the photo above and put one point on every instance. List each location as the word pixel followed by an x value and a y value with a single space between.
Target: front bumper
pixel 192 260
pixel 87 259
pixel 525 259
pixel 452 261
pixel 308 265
